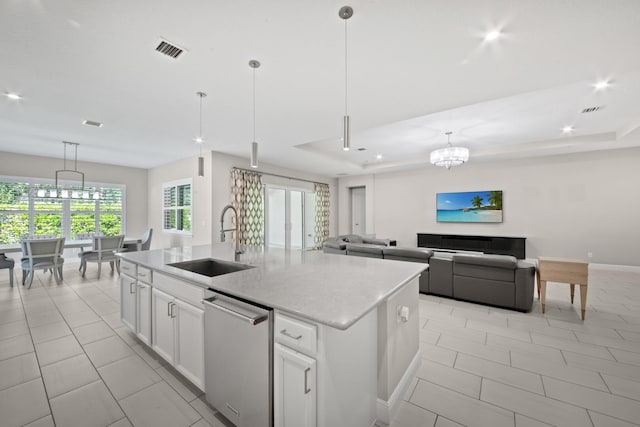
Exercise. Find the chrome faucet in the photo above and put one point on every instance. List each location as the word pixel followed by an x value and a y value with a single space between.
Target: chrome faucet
pixel 238 251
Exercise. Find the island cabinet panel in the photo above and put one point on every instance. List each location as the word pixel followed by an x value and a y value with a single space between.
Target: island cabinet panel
pixel 128 290
pixel 143 312
pixel 294 388
pixel 178 332
pixel 189 324
pixel 163 333
pixel 324 376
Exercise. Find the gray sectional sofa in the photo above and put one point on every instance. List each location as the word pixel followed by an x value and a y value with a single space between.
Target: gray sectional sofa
pixel 498 280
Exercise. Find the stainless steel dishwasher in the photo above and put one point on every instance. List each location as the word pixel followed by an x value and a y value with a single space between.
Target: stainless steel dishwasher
pixel 238 339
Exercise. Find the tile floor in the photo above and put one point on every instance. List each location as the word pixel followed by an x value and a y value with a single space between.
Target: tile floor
pixel 66 360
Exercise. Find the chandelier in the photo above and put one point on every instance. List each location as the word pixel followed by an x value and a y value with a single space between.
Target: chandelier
pixel 449 155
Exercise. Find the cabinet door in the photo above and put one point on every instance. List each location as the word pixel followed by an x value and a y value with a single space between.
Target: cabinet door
pixel 294 388
pixel 190 342
pixel 128 301
pixel 144 313
pixel 163 311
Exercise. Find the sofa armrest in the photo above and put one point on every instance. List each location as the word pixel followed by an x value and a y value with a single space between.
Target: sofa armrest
pixel 524 284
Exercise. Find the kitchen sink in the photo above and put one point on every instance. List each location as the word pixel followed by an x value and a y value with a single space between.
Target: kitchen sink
pixel 210 267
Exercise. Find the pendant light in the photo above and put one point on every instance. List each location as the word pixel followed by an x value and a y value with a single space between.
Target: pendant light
pixel 449 155
pixel 345 13
pixel 199 139
pixel 73 171
pixel 254 145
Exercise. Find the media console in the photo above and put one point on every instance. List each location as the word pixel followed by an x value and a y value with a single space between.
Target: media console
pixel 499 245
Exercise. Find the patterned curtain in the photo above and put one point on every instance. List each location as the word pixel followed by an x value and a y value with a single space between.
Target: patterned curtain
pixel 322 213
pixel 248 199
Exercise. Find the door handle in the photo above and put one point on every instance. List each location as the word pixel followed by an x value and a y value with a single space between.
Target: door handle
pixel 131 289
pixel 306 388
pixel 171 305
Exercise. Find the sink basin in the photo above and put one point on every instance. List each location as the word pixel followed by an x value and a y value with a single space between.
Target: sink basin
pixel 210 267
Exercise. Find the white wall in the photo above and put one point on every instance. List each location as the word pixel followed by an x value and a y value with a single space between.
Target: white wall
pixel 135 179
pixel 211 194
pixel 564 205
pixel 201 196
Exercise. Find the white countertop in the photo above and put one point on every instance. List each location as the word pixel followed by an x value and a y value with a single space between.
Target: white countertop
pixel 336 290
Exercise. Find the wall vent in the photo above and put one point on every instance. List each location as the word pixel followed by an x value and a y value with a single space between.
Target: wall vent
pixel 591 109
pixel 92 123
pixel 169 49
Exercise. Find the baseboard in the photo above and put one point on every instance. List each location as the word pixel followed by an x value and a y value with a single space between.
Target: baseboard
pixel 386 409
pixel 615 267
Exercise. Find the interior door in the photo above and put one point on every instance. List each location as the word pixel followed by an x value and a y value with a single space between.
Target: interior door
pixel 358 210
pixel 286 218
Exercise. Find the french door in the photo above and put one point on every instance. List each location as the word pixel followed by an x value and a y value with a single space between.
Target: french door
pixel 289 218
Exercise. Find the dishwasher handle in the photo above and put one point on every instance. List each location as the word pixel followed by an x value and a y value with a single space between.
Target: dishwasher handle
pixel 227 307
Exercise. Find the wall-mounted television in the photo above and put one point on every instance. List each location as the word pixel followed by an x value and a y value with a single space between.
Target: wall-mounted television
pixel 469 206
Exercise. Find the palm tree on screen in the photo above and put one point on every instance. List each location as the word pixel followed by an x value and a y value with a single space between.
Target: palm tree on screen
pixel 477 202
pixel 495 199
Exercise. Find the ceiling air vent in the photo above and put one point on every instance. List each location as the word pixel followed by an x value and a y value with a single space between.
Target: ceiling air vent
pixel 92 123
pixel 591 109
pixel 169 49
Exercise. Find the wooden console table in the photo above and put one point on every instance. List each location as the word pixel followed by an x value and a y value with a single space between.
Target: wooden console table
pixel 571 271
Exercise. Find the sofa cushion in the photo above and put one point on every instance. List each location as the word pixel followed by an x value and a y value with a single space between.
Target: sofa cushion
pixel 351 238
pixel 380 242
pixel 399 253
pixel 334 244
pixel 500 261
pixel 360 249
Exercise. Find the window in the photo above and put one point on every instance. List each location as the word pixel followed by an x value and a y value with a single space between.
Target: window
pixel 176 207
pixel 34 207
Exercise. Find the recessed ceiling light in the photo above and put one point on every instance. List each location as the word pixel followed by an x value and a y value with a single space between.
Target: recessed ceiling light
pixel 379 156
pixel 12 95
pixel 492 35
pixel 567 129
pixel 199 140
pixel 602 84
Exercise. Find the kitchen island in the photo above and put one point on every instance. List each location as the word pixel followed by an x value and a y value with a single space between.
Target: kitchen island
pixel 355 318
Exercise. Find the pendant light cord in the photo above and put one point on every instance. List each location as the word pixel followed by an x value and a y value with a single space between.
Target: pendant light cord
pixel 345 69
pixel 200 129
pixel 254 105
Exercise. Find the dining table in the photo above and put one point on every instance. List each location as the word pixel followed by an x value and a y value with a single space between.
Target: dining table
pixel 68 244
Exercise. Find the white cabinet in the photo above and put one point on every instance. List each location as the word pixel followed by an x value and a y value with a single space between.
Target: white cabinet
pixel 178 334
pixel 128 301
pixel 143 313
pixel 322 376
pixel 189 325
pixel 294 388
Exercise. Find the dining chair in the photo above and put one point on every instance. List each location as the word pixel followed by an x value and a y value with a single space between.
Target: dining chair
pixel 145 242
pixel 104 250
pixel 7 263
pixel 42 254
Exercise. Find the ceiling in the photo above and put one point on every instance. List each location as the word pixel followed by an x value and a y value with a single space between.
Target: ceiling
pixel 417 69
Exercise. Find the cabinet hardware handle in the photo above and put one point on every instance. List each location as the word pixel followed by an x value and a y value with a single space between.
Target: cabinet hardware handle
pixel 131 290
pixel 169 309
pixel 234 410
pixel 285 333
pixel 306 388
pixel 173 304
pixel 142 274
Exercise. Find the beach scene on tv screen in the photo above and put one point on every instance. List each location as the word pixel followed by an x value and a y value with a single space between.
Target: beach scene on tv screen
pixel 470 206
